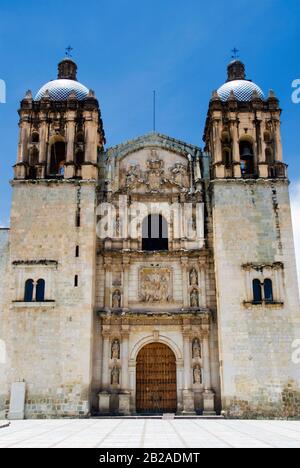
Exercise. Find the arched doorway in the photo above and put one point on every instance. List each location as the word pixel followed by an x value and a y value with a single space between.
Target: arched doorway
pixel 156 379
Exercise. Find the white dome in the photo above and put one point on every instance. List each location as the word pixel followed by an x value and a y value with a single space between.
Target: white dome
pixel 242 89
pixel 59 90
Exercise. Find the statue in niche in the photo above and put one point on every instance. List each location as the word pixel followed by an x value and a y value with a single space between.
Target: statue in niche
pixel 116 299
pixel 193 277
pixel 115 373
pixel 197 375
pixel 194 298
pixel 115 349
pixel 196 348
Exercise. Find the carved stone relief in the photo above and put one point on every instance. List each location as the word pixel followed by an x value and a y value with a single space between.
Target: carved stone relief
pixel 155 177
pixel 155 285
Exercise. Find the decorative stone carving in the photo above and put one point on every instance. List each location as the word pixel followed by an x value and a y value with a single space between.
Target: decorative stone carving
pixel 115 375
pixel 115 349
pixel 196 348
pixel 179 175
pixel 133 175
pixel 116 299
pixel 194 297
pixel 155 285
pixel 197 374
pixel 193 277
pixel 154 174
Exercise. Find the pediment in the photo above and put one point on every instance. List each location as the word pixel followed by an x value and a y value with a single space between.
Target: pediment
pixel 153 163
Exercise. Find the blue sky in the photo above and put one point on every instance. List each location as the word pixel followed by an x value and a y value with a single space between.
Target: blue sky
pixel 125 49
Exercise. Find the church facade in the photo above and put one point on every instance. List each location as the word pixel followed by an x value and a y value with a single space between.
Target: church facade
pixel 154 276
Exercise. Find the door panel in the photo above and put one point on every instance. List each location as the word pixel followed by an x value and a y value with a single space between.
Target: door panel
pixel 156 379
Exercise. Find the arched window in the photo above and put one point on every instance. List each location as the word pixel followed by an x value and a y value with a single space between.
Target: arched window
pixel 155 233
pixel 267 137
pixel 247 158
pixel 28 293
pixel 257 295
pixel 227 157
pixel 79 157
pixel 80 137
pixel 268 290
pixel 35 137
pixel 40 290
pixel 57 158
pixel 77 251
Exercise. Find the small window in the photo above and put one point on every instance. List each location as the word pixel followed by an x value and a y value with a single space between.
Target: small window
pixel 77 251
pixel 35 137
pixel 57 158
pixel 257 295
pixel 154 233
pixel 40 291
pixel 268 290
pixel 28 293
pixel 79 158
pixel 76 281
pixel 247 158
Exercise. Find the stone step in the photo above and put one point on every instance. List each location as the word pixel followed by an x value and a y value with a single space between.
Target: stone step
pixel 159 416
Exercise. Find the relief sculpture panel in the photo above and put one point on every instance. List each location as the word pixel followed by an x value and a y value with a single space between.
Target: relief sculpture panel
pixel 155 285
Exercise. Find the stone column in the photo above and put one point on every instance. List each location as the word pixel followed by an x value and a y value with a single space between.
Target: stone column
pixel 23 141
pixel 126 263
pixel 105 360
pixel 70 136
pixel 107 290
pixel 208 395
pixel 278 144
pixel 43 139
pixel 187 394
pixel 187 360
pixel 91 125
pixel 184 271
pixel 217 141
pixel 125 360
pixel 235 149
pixel 206 362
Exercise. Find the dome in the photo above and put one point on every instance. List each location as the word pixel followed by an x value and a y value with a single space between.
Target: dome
pixel 242 89
pixel 60 89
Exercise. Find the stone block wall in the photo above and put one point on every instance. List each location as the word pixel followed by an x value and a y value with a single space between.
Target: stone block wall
pixel 252 226
pixel 49 344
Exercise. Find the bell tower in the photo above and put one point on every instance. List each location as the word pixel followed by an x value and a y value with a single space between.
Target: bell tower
pixel 53 243
pixel 254 259
pixel 242 131
pixel 61 130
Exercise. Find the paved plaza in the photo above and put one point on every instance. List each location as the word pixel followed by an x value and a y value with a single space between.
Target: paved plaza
pixel 150 433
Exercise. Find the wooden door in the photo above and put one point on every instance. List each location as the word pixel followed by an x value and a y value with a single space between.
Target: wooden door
pixel 156 379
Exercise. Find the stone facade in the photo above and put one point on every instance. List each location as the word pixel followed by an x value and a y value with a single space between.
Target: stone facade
pixel 89 289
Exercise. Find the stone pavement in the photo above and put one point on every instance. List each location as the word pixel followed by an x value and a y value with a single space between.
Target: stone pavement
pixel 151 433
